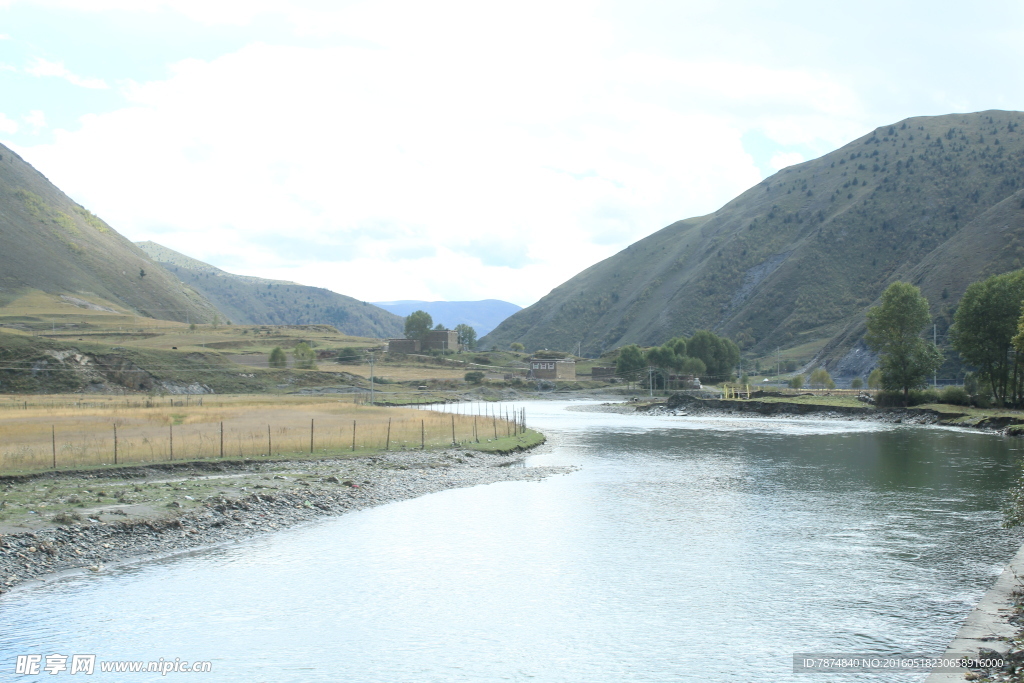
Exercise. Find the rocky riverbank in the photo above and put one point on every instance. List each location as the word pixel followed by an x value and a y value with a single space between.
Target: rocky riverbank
pixel 685 405
pixel 155 512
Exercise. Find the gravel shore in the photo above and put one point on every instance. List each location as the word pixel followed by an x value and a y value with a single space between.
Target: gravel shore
pixel 260 498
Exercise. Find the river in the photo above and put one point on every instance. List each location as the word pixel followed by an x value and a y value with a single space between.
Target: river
pixel 682 549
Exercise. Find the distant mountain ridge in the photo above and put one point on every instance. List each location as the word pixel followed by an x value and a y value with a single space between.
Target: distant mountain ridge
pixel 795 261
pixel 483 316
pixel 251 300
pixel 51 243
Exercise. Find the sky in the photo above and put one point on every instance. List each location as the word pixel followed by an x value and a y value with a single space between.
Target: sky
pixel 451 150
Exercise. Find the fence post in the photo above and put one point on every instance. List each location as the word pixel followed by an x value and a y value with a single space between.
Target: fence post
pixel 311 436
pixel 387 443
pixel 454 442
pixel 221 439
pixel 476 435
pixel 115 444
pixel 53 437
pixel 423 435
pixel 353 436
pixel 171 427
pixel 270 444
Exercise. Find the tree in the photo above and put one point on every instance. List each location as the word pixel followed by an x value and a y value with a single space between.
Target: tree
pixel 278 359
pixel 474 377
pixel 875 379
pixel 984 326
pixel 894 330
pixel 692 366
pixel 719 354
pixel 662 357
pixel 821 378
pixel 417 324
pixel 349 354
pixel 467 336
pixel 857 383
pixel 440 327
pixel 305 357
pixel 796 382
pixel 630 362
pixel 517 347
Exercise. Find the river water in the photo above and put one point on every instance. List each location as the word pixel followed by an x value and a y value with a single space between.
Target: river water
pixel 684 549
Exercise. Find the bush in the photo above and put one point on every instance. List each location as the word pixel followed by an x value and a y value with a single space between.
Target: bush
pixel 796 382
pixel 482 360
pixel 955 396
pixel 305 357
pixel 349 354
pixel 278 359
pixel 857 383
pixel 894 399
pixel 475 377
pixel 821 378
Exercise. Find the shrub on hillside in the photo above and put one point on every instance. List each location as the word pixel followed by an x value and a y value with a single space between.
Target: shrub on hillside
pixel 474 377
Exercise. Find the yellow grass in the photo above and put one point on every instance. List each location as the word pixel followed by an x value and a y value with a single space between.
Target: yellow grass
pixel 81 432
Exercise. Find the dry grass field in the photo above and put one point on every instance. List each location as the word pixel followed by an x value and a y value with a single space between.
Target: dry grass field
pixel 37 431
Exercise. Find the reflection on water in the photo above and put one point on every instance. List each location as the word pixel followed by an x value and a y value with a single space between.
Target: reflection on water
pixel 683 549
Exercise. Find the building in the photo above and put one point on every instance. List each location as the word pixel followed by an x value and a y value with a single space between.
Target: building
pixel 440 340
pixel 552 368
pixel 403 345
pixel 602 372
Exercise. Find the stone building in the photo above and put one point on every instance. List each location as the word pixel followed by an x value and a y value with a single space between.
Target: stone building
pixel 441 340
pixel 403 345
pixel 552 368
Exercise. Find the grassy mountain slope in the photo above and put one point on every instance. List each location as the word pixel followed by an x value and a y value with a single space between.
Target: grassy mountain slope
pixel 52 244
pixel 483 316
pixel 796 260
pixel 257 301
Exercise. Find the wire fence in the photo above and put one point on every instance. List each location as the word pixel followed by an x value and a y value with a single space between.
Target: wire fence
pixel 102 433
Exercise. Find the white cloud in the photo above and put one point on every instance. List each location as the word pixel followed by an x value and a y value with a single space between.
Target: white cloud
pixel 231 12
pixel 783 159
pixel 7 125
pixel 488 153
pixel 35 119
pixel 4 36
pixel 43 68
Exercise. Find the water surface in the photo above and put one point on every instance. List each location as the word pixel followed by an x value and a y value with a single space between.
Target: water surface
pixel 683 549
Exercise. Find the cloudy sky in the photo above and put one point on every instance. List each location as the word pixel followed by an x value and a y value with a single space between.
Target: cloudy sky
pixel 462 150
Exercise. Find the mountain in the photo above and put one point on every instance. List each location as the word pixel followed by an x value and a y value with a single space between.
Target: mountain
pixel 483 316
pixel 795 261
pixel 52 244
pixel 256 301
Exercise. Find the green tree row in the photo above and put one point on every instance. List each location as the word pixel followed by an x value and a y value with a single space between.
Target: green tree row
pixel 705 355
pixel 988 332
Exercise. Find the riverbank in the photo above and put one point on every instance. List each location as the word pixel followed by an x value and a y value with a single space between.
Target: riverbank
pixel 152 511
pixel 685 405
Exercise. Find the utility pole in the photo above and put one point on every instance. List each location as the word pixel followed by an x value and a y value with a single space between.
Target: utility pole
pixel 370 356
pixel 935 342
pixel 650 379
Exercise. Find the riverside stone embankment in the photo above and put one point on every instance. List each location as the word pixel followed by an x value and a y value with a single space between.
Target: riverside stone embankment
pixel 244 500
pixel 684 404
